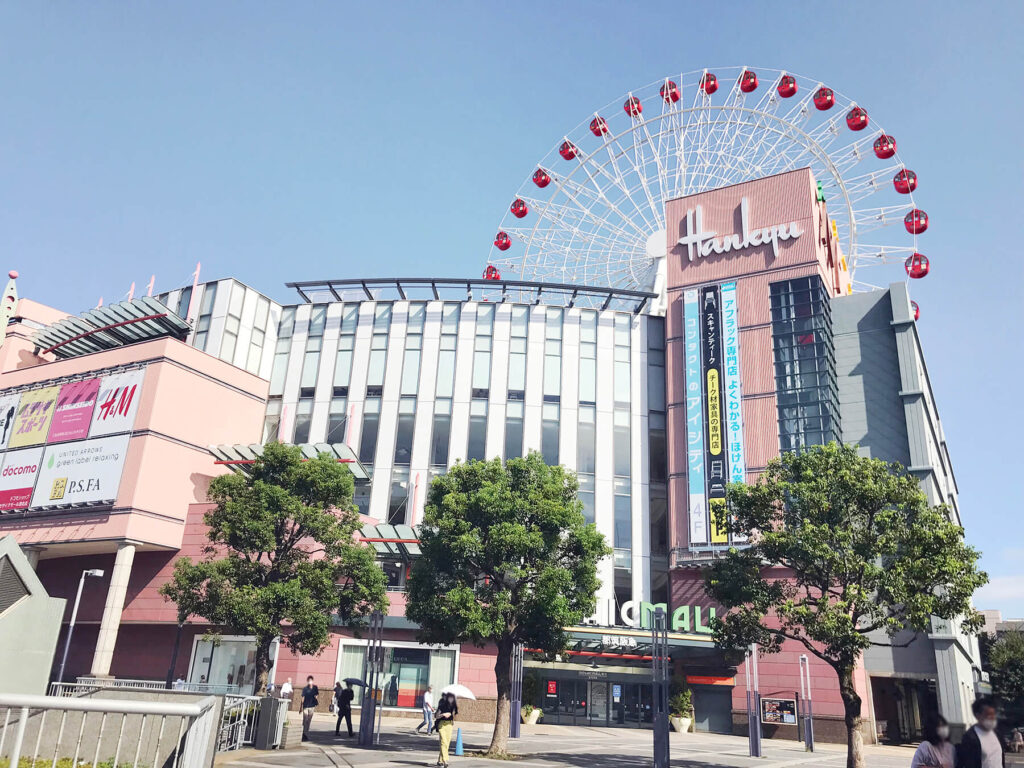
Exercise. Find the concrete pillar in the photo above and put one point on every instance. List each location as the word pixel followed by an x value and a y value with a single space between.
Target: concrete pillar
pixel 32 552
pixel 111 621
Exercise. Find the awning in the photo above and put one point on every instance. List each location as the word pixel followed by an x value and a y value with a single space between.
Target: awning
pixel 240 457
pixel 393 540
pixel 116 325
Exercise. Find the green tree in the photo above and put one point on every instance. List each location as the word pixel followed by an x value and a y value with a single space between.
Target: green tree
pixel 1006 665
pixel 282 558
pixel 865 559
pixel 507 559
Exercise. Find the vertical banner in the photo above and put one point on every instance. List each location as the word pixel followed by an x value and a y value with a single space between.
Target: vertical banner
pixel 32 421
pixel 73 415
pixel 715 458
pixel 732 387
pixel 8 410
pixel 694 419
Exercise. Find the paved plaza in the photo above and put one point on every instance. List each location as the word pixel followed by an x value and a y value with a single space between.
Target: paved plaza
pixel 549 746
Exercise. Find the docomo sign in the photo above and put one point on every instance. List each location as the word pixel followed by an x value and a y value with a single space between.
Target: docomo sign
pixel 701 242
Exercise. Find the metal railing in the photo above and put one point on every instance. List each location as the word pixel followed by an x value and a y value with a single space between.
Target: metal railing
pixel 142 734
pixel 238 722
pixel 86 683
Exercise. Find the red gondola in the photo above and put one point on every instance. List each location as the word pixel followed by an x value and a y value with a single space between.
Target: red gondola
pixel 917 310
pixel 905 181
pixel 885 147
pixel 541 178
pixel 633 107
pixel 709 83
pixel 916 221
pixel 567 150
pixel 787 86
pixel 492 273
pixel 669 92
pixel 748 81
pixel 857 119
pixel 519 208
pixel 598 126
pixel 824 98
pixel 502 241
pixel 916 266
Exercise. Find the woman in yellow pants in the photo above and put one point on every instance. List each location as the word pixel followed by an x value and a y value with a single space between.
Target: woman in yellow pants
pixel 446 711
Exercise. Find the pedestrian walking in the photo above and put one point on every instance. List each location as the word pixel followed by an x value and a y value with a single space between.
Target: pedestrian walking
pixel 936 751
pixel 286 690
pixel 447 709
pixel 343 702
pixel 428 711
pixel 310 700
pixel 980 747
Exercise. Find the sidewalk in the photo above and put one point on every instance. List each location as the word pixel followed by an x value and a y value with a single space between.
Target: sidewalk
pixel 553 746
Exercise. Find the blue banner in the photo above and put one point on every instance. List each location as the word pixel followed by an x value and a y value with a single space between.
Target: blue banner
pixel 694 419
pixel 732 387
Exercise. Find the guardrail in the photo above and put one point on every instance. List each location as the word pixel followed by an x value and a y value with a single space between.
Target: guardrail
pixel 238 722
pixel 113 731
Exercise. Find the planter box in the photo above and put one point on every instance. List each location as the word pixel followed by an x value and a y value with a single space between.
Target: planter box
pixel 681 724
pixel 533 717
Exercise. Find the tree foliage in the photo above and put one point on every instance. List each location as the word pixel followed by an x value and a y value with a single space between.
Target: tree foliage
pixel 507 558
pixel 1006 666
pixel 846 553
pixel 281 558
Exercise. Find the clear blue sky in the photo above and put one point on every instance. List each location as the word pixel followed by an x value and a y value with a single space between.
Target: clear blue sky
pixel 277 142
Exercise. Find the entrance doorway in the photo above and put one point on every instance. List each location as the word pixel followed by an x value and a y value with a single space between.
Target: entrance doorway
pixel 712 709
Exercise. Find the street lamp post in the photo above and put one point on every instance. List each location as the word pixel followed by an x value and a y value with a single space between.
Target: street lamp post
pixel 96 572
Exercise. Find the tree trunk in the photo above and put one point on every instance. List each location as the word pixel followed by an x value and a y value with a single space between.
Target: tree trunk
pixel 262 663
pixel 502 667
pixel 851 706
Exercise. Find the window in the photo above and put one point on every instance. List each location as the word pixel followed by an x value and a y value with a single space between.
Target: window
pixel 184 299
pixel 371 422
pixel 272 420
pixel 622 333
pixel 337 420
pixel 658 447
pixel 621 442
pixel 406 426
pixel 379 346
pixel 553 352
pixel 514 430
pixel 659 522
pixel 446 355
pixel 361 496
pixel 398 502
pixel 259 336
pixel 623 523
pixel 586 441
pixel 232 323
pixel 346 343
pixel 303 420
pixel 441 432
pixel 284 343
pixel 586 496
pixel 482 346
pixel 477 447
pixel 413 345
pixel 517 349
pixel 549 433
pixel 314 344
pixel 205 316
pixel 588 357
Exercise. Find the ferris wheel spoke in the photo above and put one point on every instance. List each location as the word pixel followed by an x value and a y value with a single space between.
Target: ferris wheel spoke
pixel 591 166
pixel 638 169
pixel 584 199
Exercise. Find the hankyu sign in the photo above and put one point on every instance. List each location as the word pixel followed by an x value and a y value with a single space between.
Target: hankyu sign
pixel 18 476
pixel 82 472
pixel 701 243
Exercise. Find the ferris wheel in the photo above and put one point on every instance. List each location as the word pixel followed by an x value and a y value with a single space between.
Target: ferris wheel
pixel 592 211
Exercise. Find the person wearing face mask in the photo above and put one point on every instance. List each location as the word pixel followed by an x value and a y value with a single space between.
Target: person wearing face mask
pixel 980 747
pixel 935 751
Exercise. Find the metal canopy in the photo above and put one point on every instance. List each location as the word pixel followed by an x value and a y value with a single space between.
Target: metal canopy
pixel 240 457
pixel 116 325
pixel 393 540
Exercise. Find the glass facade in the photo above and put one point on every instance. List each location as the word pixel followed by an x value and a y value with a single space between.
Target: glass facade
pixel 407 671
pixel 805 364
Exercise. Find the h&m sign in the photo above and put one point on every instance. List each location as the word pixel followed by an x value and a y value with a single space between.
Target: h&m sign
pixel 641 615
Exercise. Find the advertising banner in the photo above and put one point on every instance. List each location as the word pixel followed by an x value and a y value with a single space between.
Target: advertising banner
pixel 81 472
pixel 8 411
pixel 17 476
pixel 694 419
pixel 32 421
pixel 117 404
pixel 732 388
pixel 778 711
pixel 73 414
pixel 715 456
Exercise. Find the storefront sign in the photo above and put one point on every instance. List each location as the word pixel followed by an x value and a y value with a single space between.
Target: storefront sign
pixel 639 614
pixel 82 472
pixel 778 711
pixel 731 387
pixel 32 421
pixel 73 414
pixel 18 476
pixel 117 404
pixel 710 680
pixel 701 242
pixel 8 411
pixel 715 458
pixel 616 693
pixel 552 687
pixel 694 419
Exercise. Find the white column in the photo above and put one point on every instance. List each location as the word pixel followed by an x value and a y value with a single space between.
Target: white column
pixel 111 621
pixel 32 552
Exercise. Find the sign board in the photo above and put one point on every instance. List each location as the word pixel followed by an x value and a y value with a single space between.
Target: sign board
pixel 694 419
pixel 18 477
pixel 73 415
pixel 552 687
pixel 701 243
pixel 715 455
pixel 8 411
pixel 81 472
pixel 616 693
pixel 32 421
pixel 117 404
pixel 778 711
pixel 731 387
pixel 710 680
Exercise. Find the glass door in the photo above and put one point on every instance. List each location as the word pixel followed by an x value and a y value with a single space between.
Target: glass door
pixel 597 706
